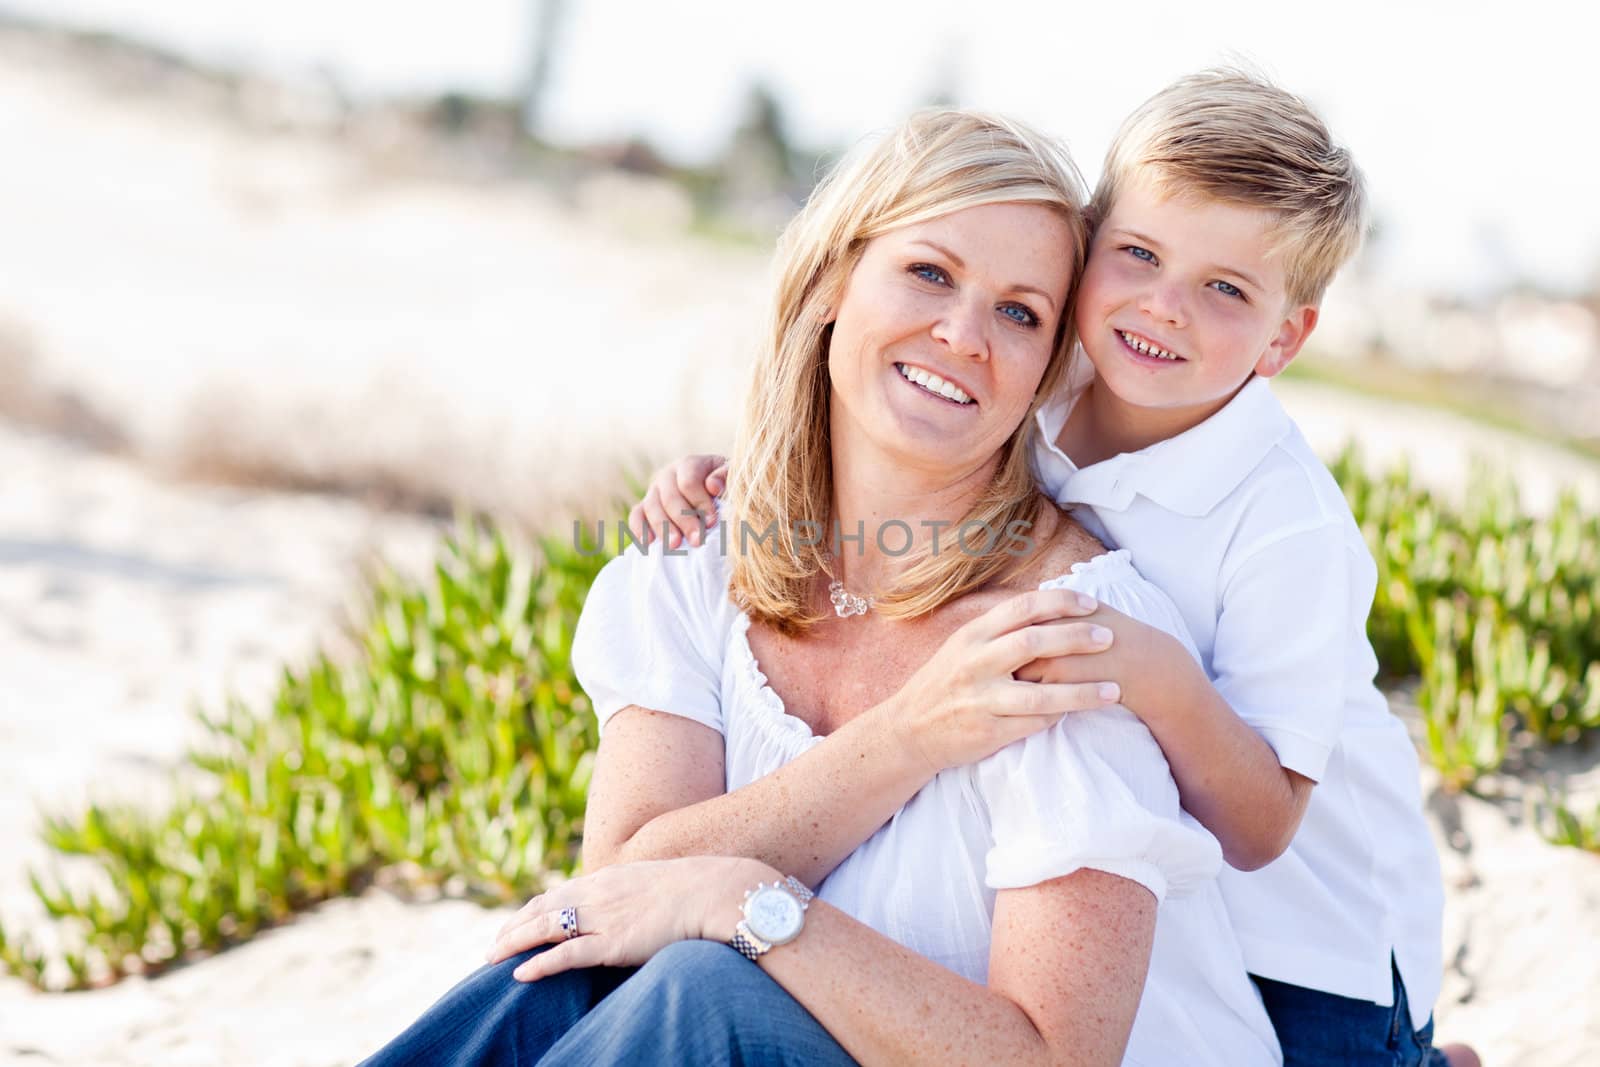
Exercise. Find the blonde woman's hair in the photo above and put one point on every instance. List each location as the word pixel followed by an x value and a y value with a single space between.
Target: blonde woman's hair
pixel 1232 136
pixel 935 163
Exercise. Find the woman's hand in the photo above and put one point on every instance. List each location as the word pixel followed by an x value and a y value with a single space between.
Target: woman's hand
pixel 679 500
pixel 965 704
pixel 628 912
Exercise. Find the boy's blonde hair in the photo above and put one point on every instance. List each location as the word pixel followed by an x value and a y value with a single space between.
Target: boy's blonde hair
pixel 935 163
pixel 1232 136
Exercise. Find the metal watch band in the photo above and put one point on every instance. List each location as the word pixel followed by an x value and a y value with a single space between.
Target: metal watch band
pixel 798 888
pixel 749 945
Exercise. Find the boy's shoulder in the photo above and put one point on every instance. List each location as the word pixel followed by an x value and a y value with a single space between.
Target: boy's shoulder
pixel 1292 502
pixel 1247 462
pixel 1249 479
pixel 1290 486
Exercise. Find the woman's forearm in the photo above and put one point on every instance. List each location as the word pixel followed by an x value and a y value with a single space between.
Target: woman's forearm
pixel 1068 996
pixel 803 818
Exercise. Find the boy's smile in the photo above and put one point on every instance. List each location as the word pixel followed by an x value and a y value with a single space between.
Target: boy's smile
pixel 1143 347
pixel 1181 302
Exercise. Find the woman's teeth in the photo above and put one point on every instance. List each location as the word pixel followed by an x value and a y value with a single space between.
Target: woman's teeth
pixel 1145 347
pixel 932 383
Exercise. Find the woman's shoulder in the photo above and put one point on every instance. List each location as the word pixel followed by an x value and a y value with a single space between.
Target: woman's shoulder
pixel 650 585
pixel 654 630
pixel 706 563
pixel 1057 544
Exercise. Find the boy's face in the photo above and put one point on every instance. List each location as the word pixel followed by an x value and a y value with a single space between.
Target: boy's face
pixel 1180 303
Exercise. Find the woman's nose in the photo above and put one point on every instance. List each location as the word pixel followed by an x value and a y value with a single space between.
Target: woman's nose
pixel 964 328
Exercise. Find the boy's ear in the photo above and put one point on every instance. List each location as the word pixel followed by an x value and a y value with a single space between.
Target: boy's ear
pixel 1292 334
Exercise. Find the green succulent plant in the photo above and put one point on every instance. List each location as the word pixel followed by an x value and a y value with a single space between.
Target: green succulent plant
pixel 1494 609
pixel 454 750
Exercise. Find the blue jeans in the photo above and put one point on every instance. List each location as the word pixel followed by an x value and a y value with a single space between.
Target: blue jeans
pixel 695 1002
pixel 1319 1029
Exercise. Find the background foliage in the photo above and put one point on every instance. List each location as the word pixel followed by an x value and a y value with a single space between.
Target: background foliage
pixel 455 750
pixel 1494 611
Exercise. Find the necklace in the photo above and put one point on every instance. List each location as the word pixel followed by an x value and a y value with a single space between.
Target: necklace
pixel 845 603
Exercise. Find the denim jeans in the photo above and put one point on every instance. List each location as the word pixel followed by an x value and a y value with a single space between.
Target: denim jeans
pixel 695 1002
pixel 1319 1029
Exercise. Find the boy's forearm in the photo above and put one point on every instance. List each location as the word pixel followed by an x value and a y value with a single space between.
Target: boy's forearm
pixel 1228 776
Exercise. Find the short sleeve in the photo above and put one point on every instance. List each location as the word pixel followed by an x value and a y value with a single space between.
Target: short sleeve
pixel 653 630
pixel 1094 791
pixel 1284 633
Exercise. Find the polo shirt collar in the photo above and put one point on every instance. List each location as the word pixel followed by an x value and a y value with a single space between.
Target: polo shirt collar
pixel 1189 474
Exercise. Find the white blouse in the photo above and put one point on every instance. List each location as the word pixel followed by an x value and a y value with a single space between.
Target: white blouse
pixel 659 631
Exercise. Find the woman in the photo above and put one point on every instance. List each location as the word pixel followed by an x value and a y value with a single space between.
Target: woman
pixel 979 898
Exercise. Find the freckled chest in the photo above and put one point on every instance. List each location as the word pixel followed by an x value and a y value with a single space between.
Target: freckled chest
pixel 842 667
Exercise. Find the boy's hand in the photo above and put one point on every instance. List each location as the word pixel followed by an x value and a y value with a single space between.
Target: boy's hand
pixel 678 493
pixel 1138 658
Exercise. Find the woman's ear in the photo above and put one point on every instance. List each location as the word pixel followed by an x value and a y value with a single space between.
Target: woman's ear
pixel 828 304
pixel 830 293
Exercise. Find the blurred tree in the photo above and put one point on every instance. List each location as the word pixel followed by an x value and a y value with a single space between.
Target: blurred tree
pixel 759 179
pixel 944 85
pixel 549 19
pixel 759 155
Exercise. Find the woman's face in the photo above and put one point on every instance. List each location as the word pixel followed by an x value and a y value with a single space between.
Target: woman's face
pixel 943 331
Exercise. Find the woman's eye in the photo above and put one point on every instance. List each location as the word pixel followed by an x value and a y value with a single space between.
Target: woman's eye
pixel 1140 253
pixel 1019 314
pixel 929 273
pixel 1228 289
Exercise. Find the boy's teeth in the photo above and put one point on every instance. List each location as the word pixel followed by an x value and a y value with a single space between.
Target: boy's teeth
pixel 1147 349
pixel 933 383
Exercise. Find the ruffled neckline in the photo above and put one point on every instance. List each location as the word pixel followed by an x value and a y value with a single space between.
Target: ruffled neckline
pixel 1113 564
pixel 789 730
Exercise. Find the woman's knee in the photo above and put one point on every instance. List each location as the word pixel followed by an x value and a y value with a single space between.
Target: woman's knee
pixel 705 980
pixel 491 993
pixel 690 963
pixel 702 1002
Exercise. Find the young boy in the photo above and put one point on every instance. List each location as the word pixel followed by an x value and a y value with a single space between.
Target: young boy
pixel 1223 213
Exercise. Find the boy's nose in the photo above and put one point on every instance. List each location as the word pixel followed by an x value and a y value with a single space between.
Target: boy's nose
pixel 1164 303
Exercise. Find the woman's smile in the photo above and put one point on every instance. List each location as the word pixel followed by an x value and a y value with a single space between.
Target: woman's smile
pixel 935 387
pixel 963 310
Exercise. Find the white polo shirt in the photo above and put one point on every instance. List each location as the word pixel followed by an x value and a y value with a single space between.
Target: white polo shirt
pixel 1245 529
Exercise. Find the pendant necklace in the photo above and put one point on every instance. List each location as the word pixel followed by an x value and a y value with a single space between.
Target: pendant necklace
pixel 845 603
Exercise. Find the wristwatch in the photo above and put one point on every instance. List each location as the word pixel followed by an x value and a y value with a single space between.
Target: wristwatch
pixel 773 915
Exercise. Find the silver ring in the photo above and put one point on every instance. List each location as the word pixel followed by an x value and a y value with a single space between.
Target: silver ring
pixel 569 922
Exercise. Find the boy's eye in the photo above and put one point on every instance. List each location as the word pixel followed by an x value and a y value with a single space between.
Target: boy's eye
pixel 1228 289
pixel 1140 253
pixel 929 273
pixel 1020 314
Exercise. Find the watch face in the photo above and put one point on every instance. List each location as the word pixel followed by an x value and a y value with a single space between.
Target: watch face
pixel 774 915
